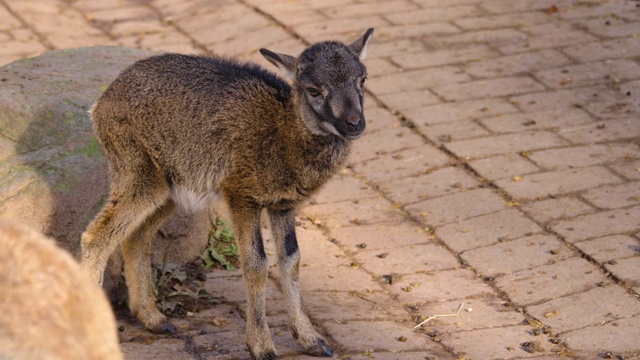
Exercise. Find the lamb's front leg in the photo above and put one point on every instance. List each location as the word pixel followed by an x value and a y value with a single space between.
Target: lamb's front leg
pixel 246 221
pixel 283 229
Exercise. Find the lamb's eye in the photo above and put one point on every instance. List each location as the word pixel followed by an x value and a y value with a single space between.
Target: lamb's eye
pixel 313 92
pixel 362 81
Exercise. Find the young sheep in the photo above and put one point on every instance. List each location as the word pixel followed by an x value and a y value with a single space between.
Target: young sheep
pixel 181 130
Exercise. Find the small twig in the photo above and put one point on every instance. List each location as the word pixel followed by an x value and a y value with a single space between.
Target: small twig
pixel 437 316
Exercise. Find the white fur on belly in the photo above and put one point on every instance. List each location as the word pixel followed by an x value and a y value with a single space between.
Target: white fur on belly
pixel 193 201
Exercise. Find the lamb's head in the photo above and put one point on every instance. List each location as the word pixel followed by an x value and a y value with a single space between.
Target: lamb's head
pixel 328 79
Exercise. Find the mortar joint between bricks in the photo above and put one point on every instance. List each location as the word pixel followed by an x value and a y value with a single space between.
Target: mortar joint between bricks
pixel 194 42
pixel 41 38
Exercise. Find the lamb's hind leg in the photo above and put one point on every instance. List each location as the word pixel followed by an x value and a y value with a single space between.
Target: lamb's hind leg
pixel 283 229
pixel 136 252
pixel 135 200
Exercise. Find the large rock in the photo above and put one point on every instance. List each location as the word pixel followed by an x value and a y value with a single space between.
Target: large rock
pixel 53 174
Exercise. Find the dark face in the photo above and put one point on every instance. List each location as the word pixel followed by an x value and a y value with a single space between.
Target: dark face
pixel 331 79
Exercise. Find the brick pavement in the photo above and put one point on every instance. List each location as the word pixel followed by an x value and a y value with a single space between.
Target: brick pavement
pixel 500 171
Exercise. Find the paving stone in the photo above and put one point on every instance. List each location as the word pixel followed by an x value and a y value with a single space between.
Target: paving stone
pixel 447 13
pixel 459 111
pixel 598 224
pixel 360 336
pixel 380 237
pixel 453 131
pixel 14 50
pixel 593 307
pixel 328 28
pixel 172 41
pixel 8 20
pixel 439 286
pixel 123 13
pixel 400 164
pixel 516 64
pixel 488 88
pixel 515 255
pixel 355 10
pixel 379 119
pixel 615 196
pixel 505 343
pixel 503 166
pixel 547 36
pixel 520 19
pixel 37 7
pixel 503 7
pixel 210 28
pixel 283 15
pixel 416 80
pixel 222 317
pixel 486 230
pixel 158 349
pixel 562 99
pixel 336 278
pixel 225 345
pixel 456 207
pixel 343 187
pixel 628 169
pixel 493 36
pixel 616 336
pixel 444 57
pixel 378 67
pixel 605 50
pixel 408 259
pixel 229 288
pixel 436 29
pixel 436 3
pixel 611 71
pixel 549 282
pixel 409 99
pixel 383 142
pixel 619 129
pixel 250 42
pixel 627 271
pixel 449 180
pixel 474 314
pixel 139 27
pixel 503 144
pixel 580 11
pixel 615 28
pixel 556 120
pixel 434 353
pixel 285 343
pixel 559 182
pixel 552 209
pixel 583 156
pixel 342 307
pixel 610 247
pixel 22 34
pixel 394 47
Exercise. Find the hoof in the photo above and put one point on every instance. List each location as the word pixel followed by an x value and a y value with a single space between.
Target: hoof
pixel 321 348
pixel 265 356
pixel 165 327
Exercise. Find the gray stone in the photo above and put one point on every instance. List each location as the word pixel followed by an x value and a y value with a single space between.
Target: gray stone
pixel 53 174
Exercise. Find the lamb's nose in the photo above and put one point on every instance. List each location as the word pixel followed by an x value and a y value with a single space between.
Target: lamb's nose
pixel 354 119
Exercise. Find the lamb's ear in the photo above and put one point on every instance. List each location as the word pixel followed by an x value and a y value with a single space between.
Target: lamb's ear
pixel 360 46
pixel 286 63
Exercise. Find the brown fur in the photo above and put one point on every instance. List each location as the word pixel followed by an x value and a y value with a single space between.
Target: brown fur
pixel 179 130
pixel 49 308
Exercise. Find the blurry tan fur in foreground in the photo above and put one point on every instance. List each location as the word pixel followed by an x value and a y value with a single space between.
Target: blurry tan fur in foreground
pixel 49 309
